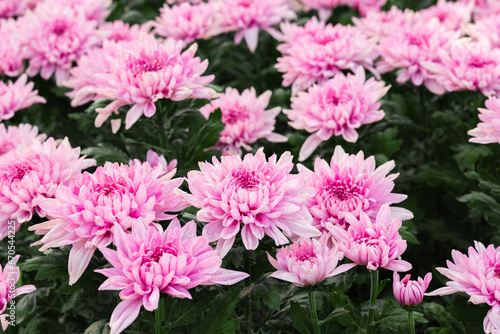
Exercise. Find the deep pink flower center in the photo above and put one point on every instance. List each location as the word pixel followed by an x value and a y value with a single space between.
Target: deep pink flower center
pixel 340 190
pixel 59 27
pixel 19 172
pixel 235 114
pixel 479 62
pixel 332 99
pixel 246 180
pixel 414 40
pixel 108 189
pixel 496 270
pixel 406 279
pixel 147 63
pixel 304 256
pixel 154 254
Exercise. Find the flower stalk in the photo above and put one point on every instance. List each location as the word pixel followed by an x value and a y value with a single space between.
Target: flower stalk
pixel 314 312
pixel 411 322
pixel 373 299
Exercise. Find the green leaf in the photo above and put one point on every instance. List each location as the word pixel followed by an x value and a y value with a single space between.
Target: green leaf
pixel 445 319
pixel 98 327
pixel 393 317
pixel 31 327
pixel 52 265
pixel 408 236
pixel 334 314
pixel 26 305
pixel 381 285
pixel 182 312
pixel 216 319
pixel 301 318
pixel 106 152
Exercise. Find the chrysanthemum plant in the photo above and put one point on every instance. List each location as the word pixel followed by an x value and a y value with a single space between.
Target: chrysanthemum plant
pixel 249 166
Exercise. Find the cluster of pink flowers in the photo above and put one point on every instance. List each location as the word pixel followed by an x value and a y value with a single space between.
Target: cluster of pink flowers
pixel 8 290
pixel 149 261
pixel 338 107
pixel 478 275
pixel 33 173
pixel 350 185
pixel 317 51
pixel 381 24
pixel 260 194
pixel 245 119
pixel 17 96
pixel 325 7
pixel 85 212
pixel 308 262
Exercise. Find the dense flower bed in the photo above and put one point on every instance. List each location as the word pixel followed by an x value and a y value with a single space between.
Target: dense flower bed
pixel 257 166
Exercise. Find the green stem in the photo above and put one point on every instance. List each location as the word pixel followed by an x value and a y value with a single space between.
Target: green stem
pixel 314 313
pixel 162 127
pixel 248 283
pixel 411 322
pixel 373 300
pixel 159 316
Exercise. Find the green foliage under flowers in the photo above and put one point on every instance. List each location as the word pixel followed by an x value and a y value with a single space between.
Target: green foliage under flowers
pixel 453 189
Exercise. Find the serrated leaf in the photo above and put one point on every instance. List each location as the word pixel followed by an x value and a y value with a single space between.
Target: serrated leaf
pixel 393 317
pixel 184 311
pixel 216 319
pixel 52 265
pixel 334 314
pixel 301 319
pixel 27 303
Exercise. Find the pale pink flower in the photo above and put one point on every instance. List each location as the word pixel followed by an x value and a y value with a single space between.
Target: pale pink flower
pixel 316 52
pixel 468 65
pixel 17 96
pixel 326 7
pixel 119 31
pixel 145 71
pixel 451 15
pixel 55 36
pixel 350 184
pixel 93 10
pixel 487 28
pixel 155 160
pixel 336 108
pixel 9 278
pixel 477 274
pixel 491 323
pixel 262 195
pixel 483 8
pixel 247 17
pixel 150 261
pixel 408 292
pixel 186 22
pixel 372 244
pixel 34 173
pixel 380 24
pixel 86 212
pixel 245 119
pixel 16 137
pixel 12 53
pixel 11 8
pixel 308 262
pixel 488 131
pixel 408 49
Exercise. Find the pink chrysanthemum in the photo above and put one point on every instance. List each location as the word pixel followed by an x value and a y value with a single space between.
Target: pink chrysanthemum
pixel 155 160
pixel 372 244
pixel 380 24
pixel 410 48
pixel 8 279
pixel 408 292
pixel 468 65
pixel 491 323
pixel 451 15
pixel 316 52
pixel 337 108
pixel 308 262
pixel 483 8
pixel 93 10
pixel 32 174
pixel 350 184
pixel 148 70
pixel 186 22
pixel 16 137
pixel 262 195
pixel 477 274
pixel 55 36
pixel 150 261
pixel 12 53
pixel 247 17
pixel 85 212
pixel 326 7
pixel 488 131
pixel 17 96
pixel 245 119
pixel 11 8
pixel 119 31
pixel 487 28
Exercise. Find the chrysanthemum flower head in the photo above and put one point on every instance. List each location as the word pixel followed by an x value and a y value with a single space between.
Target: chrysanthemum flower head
pixel 408 292
pixel 408 50
pixel 119 31
pixel 482 8
pixel 145 71
pixel 491 323
pixel 186 22
pixel 85 213
pixel 350 185
pixel 17 96
pixel 12 53
pixel 316 52
pixel 245 119
pixel 261 194
pixel 488 131
pixel 8 279
pixel 372 244
pixel 150 261
pixel 336 108
pixel 468 65
pixel 379 24
pixel 476 273
pixel 308 262
pixel 32 174
pixel 326 7
pixel 487 28
pixel 247 17
pixel 15 137
pixel 451 15
pixel 55 36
